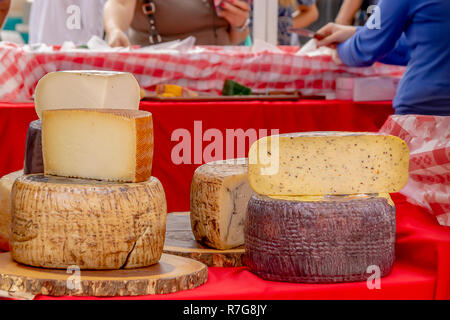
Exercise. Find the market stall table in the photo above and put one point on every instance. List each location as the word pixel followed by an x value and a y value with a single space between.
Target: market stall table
pixel 422 248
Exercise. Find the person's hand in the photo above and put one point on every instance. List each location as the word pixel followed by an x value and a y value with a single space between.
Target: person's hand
pixel 335 33
pixel 118 38
pixel 236 12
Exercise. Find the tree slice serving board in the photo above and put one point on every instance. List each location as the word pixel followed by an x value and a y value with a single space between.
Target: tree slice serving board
pixel 180 241
pixel 170 274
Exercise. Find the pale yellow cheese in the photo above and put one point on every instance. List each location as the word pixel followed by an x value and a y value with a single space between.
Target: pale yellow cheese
pixel 320 163
pixel 219 196
pixel 87 89
pixel 338 198
pixel 58 222
pixel 6 184
pixel 102 144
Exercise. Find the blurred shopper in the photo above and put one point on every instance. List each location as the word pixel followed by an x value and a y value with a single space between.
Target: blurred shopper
pixel 154 21
pixel 53 22
pixel 404 32
pixel 355 12
pixel 4 8
pixel 296 14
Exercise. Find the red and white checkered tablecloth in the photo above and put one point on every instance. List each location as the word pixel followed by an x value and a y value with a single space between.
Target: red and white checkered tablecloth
pixel 428 139
pixel 199 68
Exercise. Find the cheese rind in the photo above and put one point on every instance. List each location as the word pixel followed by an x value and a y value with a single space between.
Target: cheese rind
pixel 58 222
pixel 6 184
pixel 87 89
pixel 318 163
pixel 33 160
pixel 103 144
pixel 219 195
pixel 325 241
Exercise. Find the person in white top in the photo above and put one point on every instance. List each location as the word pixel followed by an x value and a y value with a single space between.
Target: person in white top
pixel 53 22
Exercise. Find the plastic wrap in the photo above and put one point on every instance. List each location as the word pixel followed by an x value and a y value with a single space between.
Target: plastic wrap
pixel 428 138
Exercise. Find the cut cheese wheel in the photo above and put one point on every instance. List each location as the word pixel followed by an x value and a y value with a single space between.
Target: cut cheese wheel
pixel 34 163
pixel 103 144
pixel 6 184
pixel 87 89
pixel 338 239
pixel 318 163
pixel 219 195
pixel 59 222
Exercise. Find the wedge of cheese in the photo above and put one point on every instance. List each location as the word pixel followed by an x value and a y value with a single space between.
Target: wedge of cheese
pixel 6 184
pixel 318 163
pixel 87 89
pixel 219 195
pixel 102 144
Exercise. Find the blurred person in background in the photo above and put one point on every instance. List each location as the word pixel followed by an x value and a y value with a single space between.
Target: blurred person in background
pixel 4 8
pixel 53 22
pixel 296 14
pixel 348 13
pixel 411 33
pixel 139 22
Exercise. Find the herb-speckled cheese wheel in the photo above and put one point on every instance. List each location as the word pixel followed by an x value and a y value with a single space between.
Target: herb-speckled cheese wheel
pixel 319 163
pixel 6 184
pixel 321 239
pixel 219 195
pixel 58 222
pixel 34 162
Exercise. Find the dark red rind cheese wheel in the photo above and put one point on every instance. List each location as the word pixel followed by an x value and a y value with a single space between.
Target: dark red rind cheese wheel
pixel 319 241
pixel 33 162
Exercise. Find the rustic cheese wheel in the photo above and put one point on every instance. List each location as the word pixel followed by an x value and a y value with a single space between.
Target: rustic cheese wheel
pixel 319 239
pixel 59 222
pixel 219 195
pixel 34 162
pixel 6 184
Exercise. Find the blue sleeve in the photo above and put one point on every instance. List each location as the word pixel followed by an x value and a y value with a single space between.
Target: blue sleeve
pixel 400 55
pixel 378 37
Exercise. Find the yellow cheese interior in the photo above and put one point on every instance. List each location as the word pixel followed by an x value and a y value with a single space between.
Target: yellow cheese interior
pixel 342 198
pixel 334 163
pixel 87 89
pixel 95 144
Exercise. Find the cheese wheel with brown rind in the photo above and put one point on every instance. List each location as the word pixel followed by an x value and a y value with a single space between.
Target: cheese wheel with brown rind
pixel 59 222
pixel 6 184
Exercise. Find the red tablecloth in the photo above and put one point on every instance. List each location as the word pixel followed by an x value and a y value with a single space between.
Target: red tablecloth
pixel 422 268
pixel 421 271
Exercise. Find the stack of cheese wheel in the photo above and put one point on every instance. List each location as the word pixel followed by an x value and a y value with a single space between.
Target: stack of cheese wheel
pixel 87 197
pixel 322 212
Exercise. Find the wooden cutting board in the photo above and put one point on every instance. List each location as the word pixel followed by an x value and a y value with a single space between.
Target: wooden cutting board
pixel 171 274
pixel 180 241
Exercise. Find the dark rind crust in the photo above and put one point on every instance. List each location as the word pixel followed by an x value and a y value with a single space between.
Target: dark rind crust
pixel 319 242
pixel 33 160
